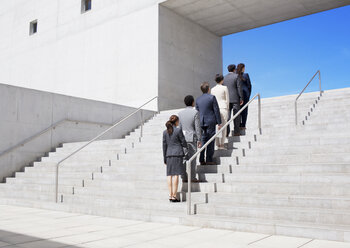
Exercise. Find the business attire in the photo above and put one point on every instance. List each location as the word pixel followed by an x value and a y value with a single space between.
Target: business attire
pixel 236 95
pixel 209 116
pixel 173 152
pixel 247 90
pixel 190 125
pixel 222 96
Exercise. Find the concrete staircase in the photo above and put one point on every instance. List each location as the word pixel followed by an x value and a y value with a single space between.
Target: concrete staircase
pixel 289 180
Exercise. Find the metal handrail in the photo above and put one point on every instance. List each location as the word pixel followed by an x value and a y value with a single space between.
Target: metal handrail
pixel 98 136
pixel 296 100
pixel 53 126
pixel 188 163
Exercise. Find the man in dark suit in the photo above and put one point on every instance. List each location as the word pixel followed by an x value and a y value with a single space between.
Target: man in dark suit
pixel 209 114
pixel 236 98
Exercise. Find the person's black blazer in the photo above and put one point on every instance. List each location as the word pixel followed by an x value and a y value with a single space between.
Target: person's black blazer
pixel 209 111
pixel 245 84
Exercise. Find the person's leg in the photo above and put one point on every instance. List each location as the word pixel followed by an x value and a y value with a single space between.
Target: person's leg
pixel 221 139
pixel 170 186
pixel 210 149
pixel 237 120
pixel 229 118
pixel 244 113
pixel 204 140
pixel 224 121
pixel 184 176
pixel 175 186
pixel 244 116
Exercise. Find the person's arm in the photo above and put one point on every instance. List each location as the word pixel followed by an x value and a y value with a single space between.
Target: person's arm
pixel 216 111
pixel 182 139
pixel 249 84
pixel 227 97
pixel 239 89
pixel 198 129
pixel 165 147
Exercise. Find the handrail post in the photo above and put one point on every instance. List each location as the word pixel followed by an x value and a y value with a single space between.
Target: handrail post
pixel 141 111
pixel 259 114
pixel 296 112
pixel 56 181
pixel 189 181
pixel 319 79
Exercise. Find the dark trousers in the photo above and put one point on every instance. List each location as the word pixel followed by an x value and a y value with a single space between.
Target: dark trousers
pixel 207 133
pixel 237 122
pixel 244 113
pixel 191 150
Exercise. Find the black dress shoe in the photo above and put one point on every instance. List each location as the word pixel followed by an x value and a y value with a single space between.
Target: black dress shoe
pixel 175 200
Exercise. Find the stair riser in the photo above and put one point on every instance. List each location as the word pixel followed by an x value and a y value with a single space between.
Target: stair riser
pixel 226 169
pixel 293 179
pixel 284 189
pixel 287 201
pixel 270 228
pixel 280 215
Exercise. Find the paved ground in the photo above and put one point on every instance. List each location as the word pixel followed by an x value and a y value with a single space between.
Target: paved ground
pixel 37 228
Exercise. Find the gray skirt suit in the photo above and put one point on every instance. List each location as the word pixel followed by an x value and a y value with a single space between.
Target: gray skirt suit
pixel 173 151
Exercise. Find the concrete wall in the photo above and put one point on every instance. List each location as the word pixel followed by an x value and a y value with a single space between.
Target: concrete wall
pixel 188 55
pixel 96 55
pixel 26 112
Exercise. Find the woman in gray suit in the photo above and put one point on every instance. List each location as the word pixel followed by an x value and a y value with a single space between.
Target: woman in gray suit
pixel 173 151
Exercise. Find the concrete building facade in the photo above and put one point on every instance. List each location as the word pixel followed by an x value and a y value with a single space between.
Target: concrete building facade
pixel 126 52
pixel 122 52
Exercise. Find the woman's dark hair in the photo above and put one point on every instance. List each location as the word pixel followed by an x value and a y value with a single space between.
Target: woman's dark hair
pixel 189 100
pixel 231 68
pixel 219 78
pixel 205 87
pixel 240 71
pixel 170 123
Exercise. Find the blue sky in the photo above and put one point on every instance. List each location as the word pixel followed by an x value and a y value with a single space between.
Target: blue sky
pixel 281 58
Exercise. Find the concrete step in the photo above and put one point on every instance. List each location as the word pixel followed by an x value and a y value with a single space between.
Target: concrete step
pixel 273 200
pixel 289 214
pixel 296 229
pixel 331 149
pixel 122 183
pixel 342 158
pixel 134 194
pixel 30 191
pixel 161 204
pixel 300 178
pixel 275 168
pixel 135 214
pixel 315 189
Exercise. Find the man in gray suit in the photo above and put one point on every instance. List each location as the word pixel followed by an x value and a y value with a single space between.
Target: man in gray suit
pixel 236 98
pixel 190 124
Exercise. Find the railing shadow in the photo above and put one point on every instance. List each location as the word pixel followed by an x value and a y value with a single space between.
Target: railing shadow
pixel 11 239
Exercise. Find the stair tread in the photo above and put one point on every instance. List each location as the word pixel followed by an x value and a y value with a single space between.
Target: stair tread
pixel 271 222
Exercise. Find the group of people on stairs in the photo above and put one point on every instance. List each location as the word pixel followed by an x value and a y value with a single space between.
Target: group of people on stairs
pixel 200 120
